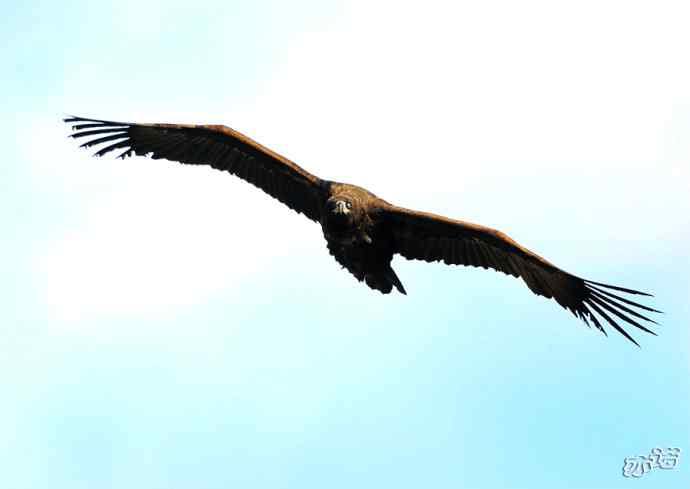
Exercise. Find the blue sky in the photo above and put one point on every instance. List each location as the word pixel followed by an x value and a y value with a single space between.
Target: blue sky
pixel 153 335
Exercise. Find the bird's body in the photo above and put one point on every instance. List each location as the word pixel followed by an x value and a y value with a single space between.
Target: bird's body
pixel 357 238
pixel 363 232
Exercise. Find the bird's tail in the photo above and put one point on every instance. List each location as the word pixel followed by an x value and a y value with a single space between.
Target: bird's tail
pixel 393 278
pixel 384 280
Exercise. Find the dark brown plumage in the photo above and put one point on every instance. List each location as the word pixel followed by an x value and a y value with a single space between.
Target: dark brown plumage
pixel 362 231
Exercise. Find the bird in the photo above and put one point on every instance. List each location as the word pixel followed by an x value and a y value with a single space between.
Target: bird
pixel 362 231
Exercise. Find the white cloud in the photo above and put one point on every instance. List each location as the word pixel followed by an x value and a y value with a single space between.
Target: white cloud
pixel 160 246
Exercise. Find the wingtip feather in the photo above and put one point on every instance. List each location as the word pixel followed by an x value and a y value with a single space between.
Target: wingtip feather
pixel 621 289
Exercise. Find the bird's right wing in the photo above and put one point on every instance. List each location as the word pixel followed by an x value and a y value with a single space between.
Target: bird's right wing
pixel 217 146
pixel 429 237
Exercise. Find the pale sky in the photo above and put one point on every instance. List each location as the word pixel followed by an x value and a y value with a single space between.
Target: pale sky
pixel 172 326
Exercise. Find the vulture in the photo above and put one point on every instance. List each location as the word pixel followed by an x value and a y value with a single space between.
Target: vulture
pixel 363 232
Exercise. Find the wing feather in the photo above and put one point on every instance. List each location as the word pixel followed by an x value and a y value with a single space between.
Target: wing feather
pixel 217 146
pixel 429 237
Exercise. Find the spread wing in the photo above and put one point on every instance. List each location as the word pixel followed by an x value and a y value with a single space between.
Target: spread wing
pixel 217 146
pixel 428 237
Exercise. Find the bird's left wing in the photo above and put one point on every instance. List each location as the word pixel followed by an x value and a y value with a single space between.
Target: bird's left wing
pixel 217 146
pixel 429 237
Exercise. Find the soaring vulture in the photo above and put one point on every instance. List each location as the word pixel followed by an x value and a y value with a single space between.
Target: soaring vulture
pixel 362 231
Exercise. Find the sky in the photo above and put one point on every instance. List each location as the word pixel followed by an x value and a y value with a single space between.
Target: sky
pixel 171 327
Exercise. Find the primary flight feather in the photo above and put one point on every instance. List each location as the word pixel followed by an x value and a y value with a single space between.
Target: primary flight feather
pixel 362 231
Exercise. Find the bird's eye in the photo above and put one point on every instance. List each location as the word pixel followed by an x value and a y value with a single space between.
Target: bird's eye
pixel 348 205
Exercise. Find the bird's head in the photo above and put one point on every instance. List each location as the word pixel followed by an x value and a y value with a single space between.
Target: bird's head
pixel 340 215
pixel 339 206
